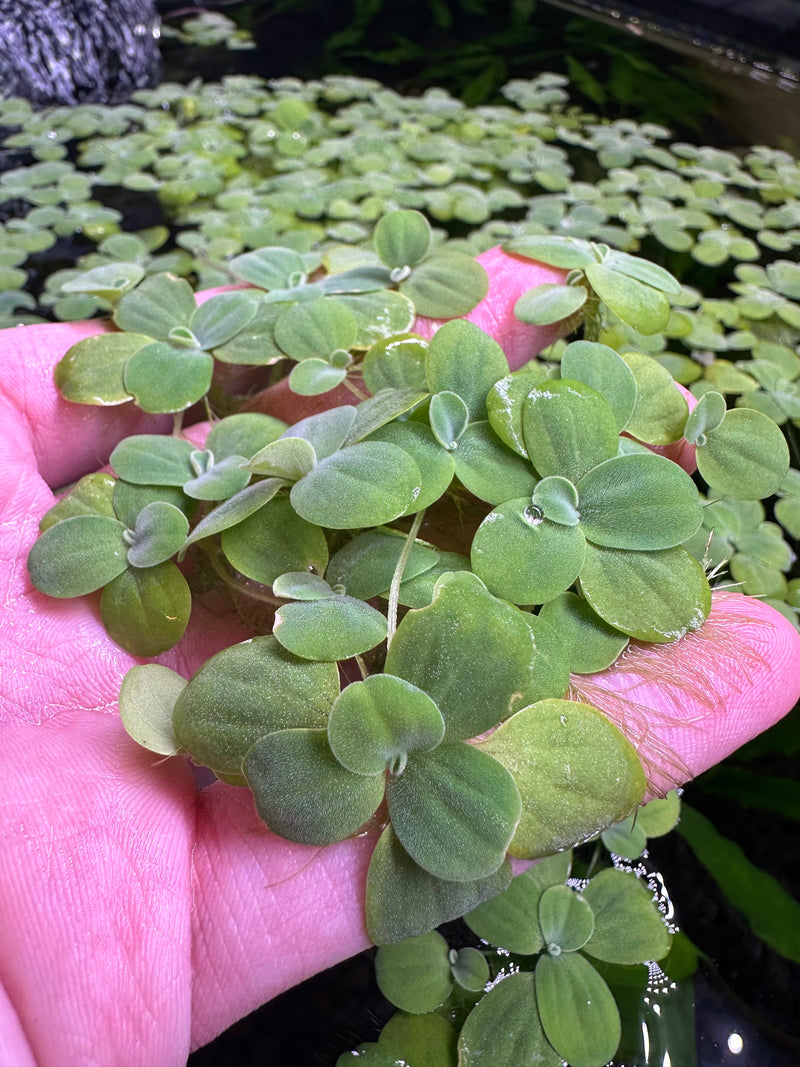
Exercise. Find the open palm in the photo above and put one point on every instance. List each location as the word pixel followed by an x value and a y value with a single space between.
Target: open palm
pixel 139 916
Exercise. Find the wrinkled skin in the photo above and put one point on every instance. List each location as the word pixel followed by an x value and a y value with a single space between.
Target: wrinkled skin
pixel 140 917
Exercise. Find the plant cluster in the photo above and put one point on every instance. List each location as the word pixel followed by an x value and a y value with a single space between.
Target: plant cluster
pixel 549 981
pixel 438 556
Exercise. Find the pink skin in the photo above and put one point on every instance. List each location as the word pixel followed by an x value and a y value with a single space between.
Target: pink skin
pixel 140 917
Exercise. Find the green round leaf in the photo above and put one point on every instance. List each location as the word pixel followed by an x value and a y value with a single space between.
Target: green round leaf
pixel 220 480
pixel 300 585
pixel 638 305
pixel 146 611
pixel 91 495
pixel 243 434
pixel 638 502
pixel 245 692
pixel 446 285
pixel 377 722
pixel 153 459
pixel 164 379
pixel 558 251
pixel 159 533
pixel 487 469
pixel 327 431
pixel 315 328
pixel 403 900
pixel 557 499
pixel 505 401
pixel 626 839
pixel 642 270
pixel 415 974
pixel 92 371
pixel 454 811
pixel 575 772
pixel 448 416
pixel 367 484
pixel 525 558
pixel 402 238
pixel 659 414
pixel 565 919
pixel 303 793
pixel 504 1028
pixel 379 315
pixel 511 919
pixel 270 268
pixel 592 645
pixel 222 317
pixel 146 701
pixel 476 656
pixel 332 628
pixel 78 555
pixel 578 1011
pixel 160 303
pixel 313 377
pixel 745 457
pixel 568 429
pixel 365 566
pixel 628 927
pixel 273 540
pixel 288 457
pixel 549 303
pixel 601 368
pixel 660 815
pixel 470 970
pixel 424 1040
pixel 705 417
pixel 395 363
pixel 462 359
pixel 654 596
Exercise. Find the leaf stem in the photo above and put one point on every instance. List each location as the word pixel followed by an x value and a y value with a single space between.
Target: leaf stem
pixel 397 577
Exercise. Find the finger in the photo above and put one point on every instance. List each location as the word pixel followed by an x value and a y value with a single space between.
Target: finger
pixel 688 705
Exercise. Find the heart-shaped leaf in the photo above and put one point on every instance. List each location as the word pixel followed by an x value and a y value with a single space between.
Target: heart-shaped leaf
pixel 557 499
pixel 476 656
pixel 272 540
pixel 367 484
pixel 78 555
pixel 403 900
pixel 245 692
pixel 464 360
pixel 454 810
pixel 524 557
pixel 414 974
pixel 374 724
pixel 333 628
pixel 159 533
pixel 578 1012
pixel 575 771
pixel 565 919
pixel 568 428
pixel 654 596
pixel 402 238
pixel 638 502
pixel 146 701
pixel 303 793
pixel 705 417
pixel 147 611
pixel 628 927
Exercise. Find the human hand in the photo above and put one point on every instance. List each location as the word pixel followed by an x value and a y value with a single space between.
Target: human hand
pixel 142 917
